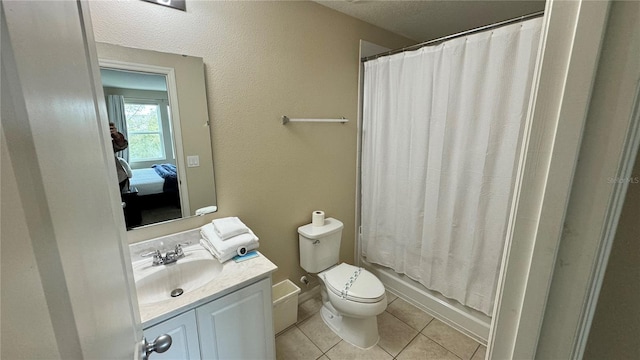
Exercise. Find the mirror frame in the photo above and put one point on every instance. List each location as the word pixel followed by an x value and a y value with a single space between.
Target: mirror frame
pixel 186 83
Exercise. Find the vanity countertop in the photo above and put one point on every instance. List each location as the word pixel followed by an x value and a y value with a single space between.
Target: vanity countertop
pixel 233 276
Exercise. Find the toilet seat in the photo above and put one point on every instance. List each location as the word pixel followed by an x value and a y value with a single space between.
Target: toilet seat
pixel 353 283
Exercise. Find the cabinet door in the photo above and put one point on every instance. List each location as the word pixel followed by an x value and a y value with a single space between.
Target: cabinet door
pixel 238 325
pixel 184 335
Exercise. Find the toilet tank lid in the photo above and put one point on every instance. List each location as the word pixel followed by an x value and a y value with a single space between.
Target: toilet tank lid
pixel 330 226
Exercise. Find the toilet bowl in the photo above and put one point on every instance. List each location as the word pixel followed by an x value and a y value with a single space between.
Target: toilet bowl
pixel 352 297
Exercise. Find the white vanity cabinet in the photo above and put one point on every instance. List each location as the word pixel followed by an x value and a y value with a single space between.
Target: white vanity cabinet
pixel 236 326
pixel 239 325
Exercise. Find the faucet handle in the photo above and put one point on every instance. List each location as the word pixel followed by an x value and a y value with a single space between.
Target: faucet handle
pixel 152 253
pixel 157 257
pixel 178 250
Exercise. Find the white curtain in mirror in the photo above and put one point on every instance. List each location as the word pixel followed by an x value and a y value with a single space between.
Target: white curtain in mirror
pixel 115 111
pixel 441 128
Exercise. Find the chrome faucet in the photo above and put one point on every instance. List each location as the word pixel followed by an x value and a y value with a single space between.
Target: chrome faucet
pixel 169 258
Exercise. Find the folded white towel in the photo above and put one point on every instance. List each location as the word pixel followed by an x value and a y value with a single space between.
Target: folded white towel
pixel 225 250
pixel 229 227
pixel 208 232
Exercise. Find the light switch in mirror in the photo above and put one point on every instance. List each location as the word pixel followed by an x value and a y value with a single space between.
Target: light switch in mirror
pixel 157 102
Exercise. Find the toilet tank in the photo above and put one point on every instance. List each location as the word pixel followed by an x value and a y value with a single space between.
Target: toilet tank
pixel 320 245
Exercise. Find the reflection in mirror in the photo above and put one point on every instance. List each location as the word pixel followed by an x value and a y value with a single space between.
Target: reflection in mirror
pixel 156 101
pixel 138 106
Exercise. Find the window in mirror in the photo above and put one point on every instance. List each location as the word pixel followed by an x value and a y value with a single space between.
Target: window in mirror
pixel 144 130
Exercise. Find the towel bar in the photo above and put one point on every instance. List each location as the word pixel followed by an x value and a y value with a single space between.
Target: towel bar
pixel 286 119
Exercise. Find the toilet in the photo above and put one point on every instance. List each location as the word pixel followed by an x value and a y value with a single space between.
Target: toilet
pixel 352 297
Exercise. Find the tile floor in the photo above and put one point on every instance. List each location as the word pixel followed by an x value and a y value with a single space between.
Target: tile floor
pixel 406 332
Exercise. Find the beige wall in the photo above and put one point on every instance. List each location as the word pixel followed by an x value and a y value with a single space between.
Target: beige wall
pixel 264 60
pixel 615 331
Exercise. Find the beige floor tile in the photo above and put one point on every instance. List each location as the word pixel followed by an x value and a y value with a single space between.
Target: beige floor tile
pixel 346 351
pixel 316 330
pixel 424 348
pixel 480 353
pixel 390 297
pixel 324 357
pixel 293 345
pixel 308 308
pixel 394 334
pixel 410 314
pixel 451 339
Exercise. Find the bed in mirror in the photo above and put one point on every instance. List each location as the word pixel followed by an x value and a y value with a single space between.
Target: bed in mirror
pixel 157 102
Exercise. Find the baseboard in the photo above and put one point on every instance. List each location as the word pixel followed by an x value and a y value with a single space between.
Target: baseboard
pixel 311 293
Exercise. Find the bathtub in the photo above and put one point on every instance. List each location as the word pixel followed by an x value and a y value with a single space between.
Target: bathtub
pixel 471 322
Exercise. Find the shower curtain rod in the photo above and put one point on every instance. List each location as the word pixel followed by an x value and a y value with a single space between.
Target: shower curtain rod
pixel 457 35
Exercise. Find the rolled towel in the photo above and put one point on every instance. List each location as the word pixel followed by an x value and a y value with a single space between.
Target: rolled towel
pixel 229 227
pixel 227 256
pixel 222 249
pixel 206 210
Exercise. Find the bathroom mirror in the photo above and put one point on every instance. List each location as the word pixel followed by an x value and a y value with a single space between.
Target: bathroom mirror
pixel 158 102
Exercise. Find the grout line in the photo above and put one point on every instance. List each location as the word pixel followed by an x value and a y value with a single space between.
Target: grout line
pixel 401 321
pixel 314 344
pixel 286 331
pixel 406 346
pixel 437 343
pixel 430 321
pixel 442 346
pixel 325 353
pixel 474 353
pixel 430 339
pixel 304 320
pixel 389 302
pixel 385 350
pixel 404 322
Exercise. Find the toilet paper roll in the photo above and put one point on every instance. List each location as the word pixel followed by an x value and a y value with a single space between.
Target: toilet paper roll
pixel 317 218
pixel 242 250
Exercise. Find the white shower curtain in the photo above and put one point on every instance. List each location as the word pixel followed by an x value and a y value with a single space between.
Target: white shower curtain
pixel 441 128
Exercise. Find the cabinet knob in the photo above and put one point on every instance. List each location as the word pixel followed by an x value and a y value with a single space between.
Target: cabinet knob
pixel 161 344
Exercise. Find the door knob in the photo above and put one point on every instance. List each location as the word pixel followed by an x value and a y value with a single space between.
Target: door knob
pixel 161 344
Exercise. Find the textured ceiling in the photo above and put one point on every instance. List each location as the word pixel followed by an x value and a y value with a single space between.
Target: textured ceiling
pixel 430 19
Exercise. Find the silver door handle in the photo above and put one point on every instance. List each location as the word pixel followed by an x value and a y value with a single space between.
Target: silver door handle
pixel 161 344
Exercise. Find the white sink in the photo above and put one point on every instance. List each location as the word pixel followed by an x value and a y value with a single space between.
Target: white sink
pixel 156 283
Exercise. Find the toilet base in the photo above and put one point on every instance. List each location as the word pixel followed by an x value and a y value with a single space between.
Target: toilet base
pixel 359 332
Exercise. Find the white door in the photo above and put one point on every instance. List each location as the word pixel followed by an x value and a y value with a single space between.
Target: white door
pixel 60 153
